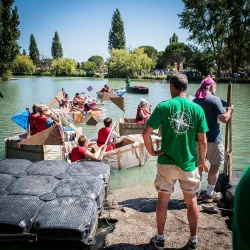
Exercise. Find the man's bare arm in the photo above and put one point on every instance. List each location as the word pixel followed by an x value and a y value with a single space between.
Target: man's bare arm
pixel 202 144
pixel 146 134
pixel 225 117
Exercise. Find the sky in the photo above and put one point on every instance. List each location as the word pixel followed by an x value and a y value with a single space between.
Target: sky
pixel 83 25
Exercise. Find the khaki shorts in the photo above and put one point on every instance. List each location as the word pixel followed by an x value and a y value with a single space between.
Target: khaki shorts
pixel 167 175
pixel 215 153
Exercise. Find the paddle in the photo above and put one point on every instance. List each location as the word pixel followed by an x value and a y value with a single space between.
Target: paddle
pixel 1 95
pixel 228 139
pixel 105 144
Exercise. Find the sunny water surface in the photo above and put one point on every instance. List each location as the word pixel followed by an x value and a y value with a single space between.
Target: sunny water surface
pixel 23 92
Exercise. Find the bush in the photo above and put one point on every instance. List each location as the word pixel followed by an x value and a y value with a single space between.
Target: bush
pixel 6 76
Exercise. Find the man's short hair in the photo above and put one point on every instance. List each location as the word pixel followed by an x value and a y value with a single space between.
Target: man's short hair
pixel 179 81
pixel 107 121
pixel 81 140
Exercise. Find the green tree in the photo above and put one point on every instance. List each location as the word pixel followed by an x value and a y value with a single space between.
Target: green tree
pixel 173 39
pixel 161 62
pixel 123 63
pixel 24 52
pixel 176 52
pixel 9 34
pixel 89 66
pixel 207 23
pixel 63 66
pixel 23 65
pixel 238 38
pixel 201 60
pixel 34 51
pixel 150 51
pixel 98 60
pixel 117 38
pixel 56 48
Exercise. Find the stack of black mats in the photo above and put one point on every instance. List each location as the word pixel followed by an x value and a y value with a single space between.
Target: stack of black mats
pixel 51 200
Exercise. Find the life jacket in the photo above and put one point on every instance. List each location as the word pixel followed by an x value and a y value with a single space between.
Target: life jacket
pixel 33 129
pixel 40 122
pixel 138 118
pixel 78 153
pixel 103 134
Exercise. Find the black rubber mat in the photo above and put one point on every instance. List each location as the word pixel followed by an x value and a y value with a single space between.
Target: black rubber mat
pixel 17 213
pixel 47 167
pixel 93 168
pixel 67 218
pixel 5 180
pixel 14 166
pixel 32 185
pixel 82 186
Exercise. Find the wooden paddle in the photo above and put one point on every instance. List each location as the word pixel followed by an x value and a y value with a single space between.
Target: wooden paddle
pixel 228 139
pixel 105 144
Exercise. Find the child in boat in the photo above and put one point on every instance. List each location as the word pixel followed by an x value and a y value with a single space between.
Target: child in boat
pixel 103 134
pixel 142 114
pixel 65 102
pixel 83 150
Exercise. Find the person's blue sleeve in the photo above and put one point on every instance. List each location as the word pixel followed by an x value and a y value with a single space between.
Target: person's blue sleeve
pixel 218 108
pixel 49 123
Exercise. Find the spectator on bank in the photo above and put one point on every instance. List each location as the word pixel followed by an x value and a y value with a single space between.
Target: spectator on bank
pixel 181 121
pixel 215 113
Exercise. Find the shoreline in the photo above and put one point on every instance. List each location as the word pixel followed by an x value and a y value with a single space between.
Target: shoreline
pixel 133 211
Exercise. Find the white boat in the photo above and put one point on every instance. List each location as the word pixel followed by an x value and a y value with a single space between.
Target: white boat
pixel 130 152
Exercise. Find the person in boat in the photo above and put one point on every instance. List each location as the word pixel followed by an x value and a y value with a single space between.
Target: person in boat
pixel 65 102
pixel 103 134
pixel 105 89
pixel 128 81
pixel 79 101
pixel 32 118
pixel 83 150
pixel 87 108
pixel 42 122
pixel 215 113
pixel 142 113
pixel 181 121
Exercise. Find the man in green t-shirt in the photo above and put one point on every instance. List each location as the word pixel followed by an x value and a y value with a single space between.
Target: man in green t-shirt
pixel 181 122
pixel 241 218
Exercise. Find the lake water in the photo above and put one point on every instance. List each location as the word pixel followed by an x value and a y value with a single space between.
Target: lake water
pixel 23 92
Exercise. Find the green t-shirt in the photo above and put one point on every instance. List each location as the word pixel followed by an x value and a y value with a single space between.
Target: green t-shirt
pixel 241 218
pixel 181 120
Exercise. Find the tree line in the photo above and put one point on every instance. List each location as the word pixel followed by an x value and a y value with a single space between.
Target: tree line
pixel 219 31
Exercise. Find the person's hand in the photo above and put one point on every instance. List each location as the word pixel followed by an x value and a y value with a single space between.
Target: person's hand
pixel 203 167
pixel 231 108
pixel 157 153
pixel 150 105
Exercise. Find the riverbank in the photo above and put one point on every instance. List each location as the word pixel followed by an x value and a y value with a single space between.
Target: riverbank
pixel 133 210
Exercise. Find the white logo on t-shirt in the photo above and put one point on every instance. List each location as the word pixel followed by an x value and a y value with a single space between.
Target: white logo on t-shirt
pixel 180 122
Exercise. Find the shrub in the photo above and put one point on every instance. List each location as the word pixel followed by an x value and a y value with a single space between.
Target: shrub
pixel 6 76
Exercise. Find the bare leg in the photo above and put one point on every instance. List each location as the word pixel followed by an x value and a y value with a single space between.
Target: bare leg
pixel 192 212
pixel 213 174
pixel 161 211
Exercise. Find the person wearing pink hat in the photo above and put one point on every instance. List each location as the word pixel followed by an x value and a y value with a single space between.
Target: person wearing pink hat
pixel 215 113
